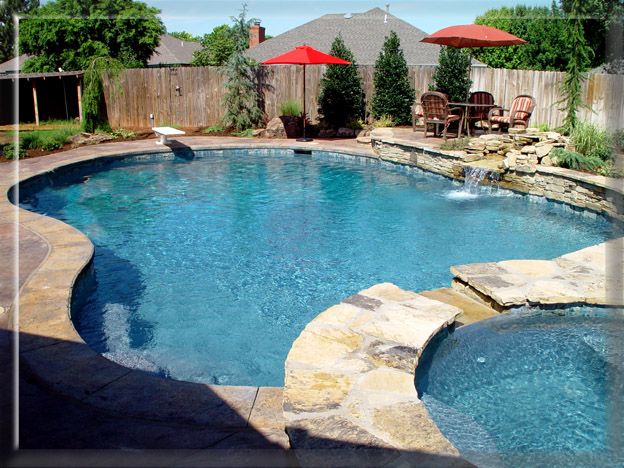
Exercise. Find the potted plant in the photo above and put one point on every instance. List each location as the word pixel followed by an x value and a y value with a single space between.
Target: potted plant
pixel 291 115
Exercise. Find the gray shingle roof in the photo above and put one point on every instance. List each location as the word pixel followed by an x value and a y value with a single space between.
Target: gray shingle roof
pixel 14 65
pixel 363 33
pixel 172 51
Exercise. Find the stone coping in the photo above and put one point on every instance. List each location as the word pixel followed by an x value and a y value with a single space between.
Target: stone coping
pixel 610 183
pixel 593 275
pixel 350 377
pixel 55 354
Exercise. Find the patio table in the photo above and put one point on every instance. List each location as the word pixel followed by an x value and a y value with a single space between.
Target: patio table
pixel 466 109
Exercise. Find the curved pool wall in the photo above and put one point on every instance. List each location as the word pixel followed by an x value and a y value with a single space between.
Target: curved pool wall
pixel 68 176
pixel 531 387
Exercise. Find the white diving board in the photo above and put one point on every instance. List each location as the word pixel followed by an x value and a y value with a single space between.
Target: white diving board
pixel 164 132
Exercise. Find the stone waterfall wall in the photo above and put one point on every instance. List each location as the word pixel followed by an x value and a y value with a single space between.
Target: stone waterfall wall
pixel 596 193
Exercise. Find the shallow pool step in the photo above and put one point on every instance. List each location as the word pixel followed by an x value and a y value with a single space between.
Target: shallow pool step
pixel 472 311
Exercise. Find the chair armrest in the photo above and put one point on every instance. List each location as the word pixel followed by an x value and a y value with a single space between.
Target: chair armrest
pixel 496 110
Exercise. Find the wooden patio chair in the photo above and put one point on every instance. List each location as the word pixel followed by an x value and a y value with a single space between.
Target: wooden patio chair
pixel 519 113
pixel 436 111
pixel 479 114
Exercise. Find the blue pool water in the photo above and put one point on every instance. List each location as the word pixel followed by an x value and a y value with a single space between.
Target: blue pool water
pixel 209 264
pixel 530 388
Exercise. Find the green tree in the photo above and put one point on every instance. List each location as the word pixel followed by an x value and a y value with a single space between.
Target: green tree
pixel 71 33
pixel 544 30
pixel 579 57
pixel 601 17
pixel 185 36
pixel 341 98
pixel 393 94
pixel 452 76
pixel 242 96
pixel 93 96
pixel 8 8
pixel 217 47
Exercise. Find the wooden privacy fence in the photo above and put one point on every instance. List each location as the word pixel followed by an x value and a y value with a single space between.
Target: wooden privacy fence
pixel 192 96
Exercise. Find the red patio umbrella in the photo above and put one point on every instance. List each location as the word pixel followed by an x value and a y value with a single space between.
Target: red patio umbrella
pixel 305 55
pixel 472 35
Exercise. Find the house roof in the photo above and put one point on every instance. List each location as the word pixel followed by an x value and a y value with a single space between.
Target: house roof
pixel 173 51
pixel 13 65
pixel 363 33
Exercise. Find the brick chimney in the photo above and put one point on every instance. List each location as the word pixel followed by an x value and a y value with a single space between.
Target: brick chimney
pixel 256 34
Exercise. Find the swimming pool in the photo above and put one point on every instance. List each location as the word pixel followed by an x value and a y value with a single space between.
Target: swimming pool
pixel 208 264
pixel 530 388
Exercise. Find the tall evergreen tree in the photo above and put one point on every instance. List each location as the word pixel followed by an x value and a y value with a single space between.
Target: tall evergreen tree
pixel 452 76
pixel 242 96
pixel 341 98
pixel 579 58
pixel 8 8
pixel 393 94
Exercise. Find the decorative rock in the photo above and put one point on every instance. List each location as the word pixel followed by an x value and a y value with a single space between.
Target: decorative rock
pixel 258 132
pixel 546 161
pixel 525 168
pixel 528 149
pixel 275 128
pixel 543 150
pixel 344 132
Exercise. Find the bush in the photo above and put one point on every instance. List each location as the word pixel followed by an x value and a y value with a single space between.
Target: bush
pixel 456 144
pixel 394 95
pixel 384 121
pixel 576 161
pixel 291 108
pixel 592 141
pixel 248 132
pixel 452 76
pixel 8 151
pixel 123 133
pixel 341 99
pixel 47 140
pixel 214 129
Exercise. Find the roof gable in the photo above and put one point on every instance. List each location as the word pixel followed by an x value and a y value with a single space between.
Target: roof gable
pixel 363 33
pixel 172 50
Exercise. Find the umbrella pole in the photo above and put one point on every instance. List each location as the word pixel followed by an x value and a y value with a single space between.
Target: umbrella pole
pixel 304 138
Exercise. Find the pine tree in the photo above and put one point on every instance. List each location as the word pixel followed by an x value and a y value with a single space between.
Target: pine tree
pixel 393 94
pixel 242 96
pixel 452 76
pixel 341 98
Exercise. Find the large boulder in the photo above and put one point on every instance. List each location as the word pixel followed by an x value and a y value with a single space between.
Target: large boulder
pixel 275 129
pixel 344 132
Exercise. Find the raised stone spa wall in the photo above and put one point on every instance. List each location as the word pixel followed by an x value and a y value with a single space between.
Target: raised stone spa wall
pixel 350 379
pixel 596 193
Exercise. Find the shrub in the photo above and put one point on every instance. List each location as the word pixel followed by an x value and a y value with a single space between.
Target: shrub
pixel 543 127
pixel 123 133
pixel 456 144
pixel 47 140
pixel 214 129
pixel 394 95
pixel 384 121
pixel 576 161
pixel 592 141
pixel 248 132
pixel 452 76
pixel 609 170
pixel 8 151
pixel 291 108
pixel 341 99
pixel 356 124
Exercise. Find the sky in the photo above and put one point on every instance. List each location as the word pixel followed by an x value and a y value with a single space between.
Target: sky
pixel 201 16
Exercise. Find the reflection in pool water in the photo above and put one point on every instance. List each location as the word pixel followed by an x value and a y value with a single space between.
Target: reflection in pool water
pixel 530 388
pixel 209 264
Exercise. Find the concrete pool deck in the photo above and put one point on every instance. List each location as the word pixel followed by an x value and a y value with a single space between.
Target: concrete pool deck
pixel 52 254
